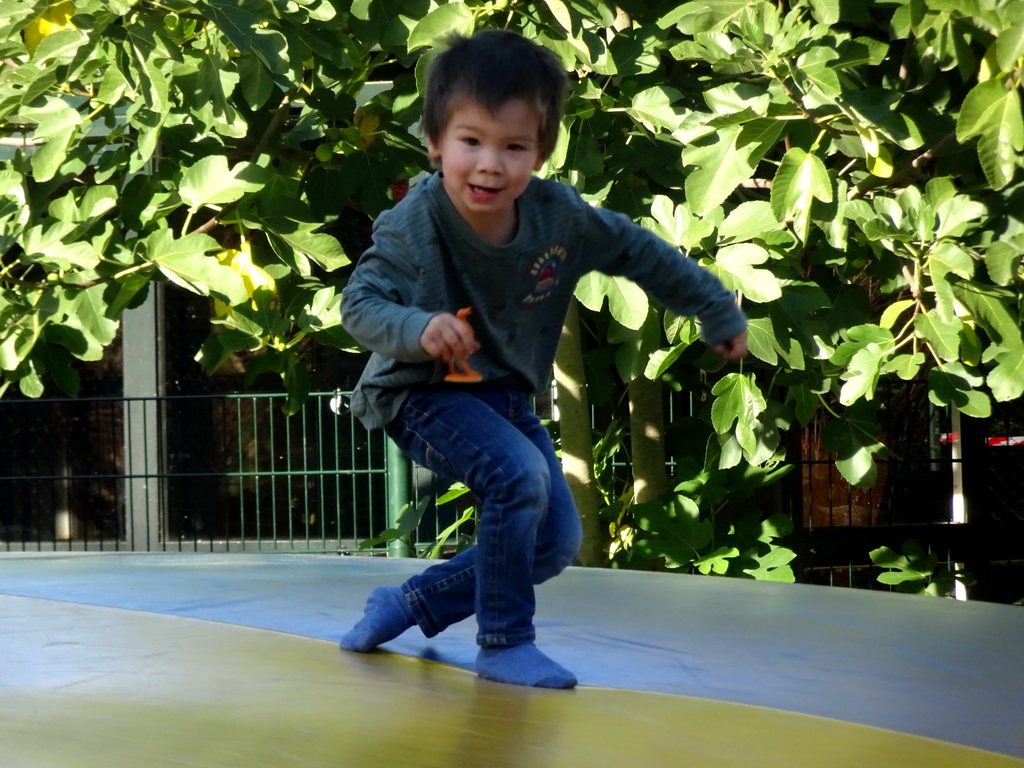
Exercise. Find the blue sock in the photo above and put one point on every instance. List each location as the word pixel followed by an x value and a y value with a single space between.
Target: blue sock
pixel 387 615
pixel 522 665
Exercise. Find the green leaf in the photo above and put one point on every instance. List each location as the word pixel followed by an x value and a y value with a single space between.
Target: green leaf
pixel 800 180
pixel 994 309
pixel 677 532
pixel 90 313
pixel 1003 261
pixel 678 329
pixel 732 99
pixel 982 111
pixel 895 578
pixel 863 370
pixel 627 302
pixel 439 23
pixel 297 385
pixel 248 32
pixel 957 215
pixel 654 108
pixel 905 366
pixel 183 262
pixel 948 258
pixel 747 221
pixel 322 248
pixel 561 13
pixel 826 11
pixel 53 358
pixel 993 112
pixel 1007 379
pixel 725 160
pixel 717 561
pixel 663 359
pixel 953 384
pixel 774 566
pixel 52 117
pixel 85 206
pixel 53 247
pixel 256 80
pixel 910 571
pixel 761 340
pixel 893 311
pixel 633 348
pixel 48 159
pixel 852 439
pixel 152 82
pixel 737 400
pixel 323 310
pixel 735 266
pixel 944 335
pixel 1010 47
pixel 210 182
pixel 408 520
pixel 805 403
pixel 59 45
pixel 361 9
pixel 669 221
pixel 857 338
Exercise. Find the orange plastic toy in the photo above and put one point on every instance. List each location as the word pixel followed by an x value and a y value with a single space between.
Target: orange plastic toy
pixel 459 369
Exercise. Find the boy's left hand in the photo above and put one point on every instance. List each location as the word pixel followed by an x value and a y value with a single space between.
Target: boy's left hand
pixel 733 349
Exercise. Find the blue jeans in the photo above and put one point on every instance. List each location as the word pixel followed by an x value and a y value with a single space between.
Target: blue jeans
pixel 528 530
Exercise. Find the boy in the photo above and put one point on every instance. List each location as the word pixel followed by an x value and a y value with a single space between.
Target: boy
pixel 484 233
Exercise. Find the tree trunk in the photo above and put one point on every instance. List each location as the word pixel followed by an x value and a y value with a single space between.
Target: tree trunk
pixel 647 433
pixel 577 442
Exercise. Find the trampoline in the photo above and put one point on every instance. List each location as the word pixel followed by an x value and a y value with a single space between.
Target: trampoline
pixel 232 660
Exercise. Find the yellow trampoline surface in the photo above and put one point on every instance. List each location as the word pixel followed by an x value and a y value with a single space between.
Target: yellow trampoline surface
pixel 231 660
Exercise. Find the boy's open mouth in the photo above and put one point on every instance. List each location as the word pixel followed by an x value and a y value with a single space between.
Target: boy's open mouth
pixel 478 190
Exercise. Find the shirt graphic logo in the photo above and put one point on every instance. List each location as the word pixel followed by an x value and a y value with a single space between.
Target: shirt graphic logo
pixel 545 272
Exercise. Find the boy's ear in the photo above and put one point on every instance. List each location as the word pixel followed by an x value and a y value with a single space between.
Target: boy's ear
pixel 433 150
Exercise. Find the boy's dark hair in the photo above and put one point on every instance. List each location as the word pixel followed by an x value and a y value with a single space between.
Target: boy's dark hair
pixel 490 68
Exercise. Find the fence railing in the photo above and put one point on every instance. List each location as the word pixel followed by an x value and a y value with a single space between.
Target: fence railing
pixel 233 473
pixel 217 473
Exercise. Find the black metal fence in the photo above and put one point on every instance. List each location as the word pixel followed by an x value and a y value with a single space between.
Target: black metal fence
pixel 204 472
pixel 233 473
pixel 954 485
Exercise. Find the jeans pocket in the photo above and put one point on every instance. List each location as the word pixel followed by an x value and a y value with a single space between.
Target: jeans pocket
pixel 518 405
pixel 436 462
pixel 418 449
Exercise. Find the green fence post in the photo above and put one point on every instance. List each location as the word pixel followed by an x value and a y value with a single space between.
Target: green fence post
pixel 397 479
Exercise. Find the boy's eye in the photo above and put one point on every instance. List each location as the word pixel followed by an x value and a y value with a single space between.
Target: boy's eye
pixel 471 140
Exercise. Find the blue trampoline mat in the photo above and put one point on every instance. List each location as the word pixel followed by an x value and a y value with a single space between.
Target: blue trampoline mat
pixel 937 668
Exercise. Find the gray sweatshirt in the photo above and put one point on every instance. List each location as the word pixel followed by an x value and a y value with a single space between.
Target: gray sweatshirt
pixel 425 259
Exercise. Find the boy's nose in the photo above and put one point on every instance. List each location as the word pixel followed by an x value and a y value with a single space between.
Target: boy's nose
pixel 488 161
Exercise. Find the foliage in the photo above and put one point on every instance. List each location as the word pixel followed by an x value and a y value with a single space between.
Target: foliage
pixel 155 142
pixel 822 167
pixel 708 523
pixel 851 170
pixel 916 572
pixel 408 523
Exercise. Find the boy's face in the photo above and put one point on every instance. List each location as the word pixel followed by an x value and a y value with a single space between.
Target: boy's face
pixel 487 160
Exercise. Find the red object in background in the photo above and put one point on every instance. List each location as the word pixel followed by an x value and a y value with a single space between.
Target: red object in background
pixel 399 189
pixel 952 437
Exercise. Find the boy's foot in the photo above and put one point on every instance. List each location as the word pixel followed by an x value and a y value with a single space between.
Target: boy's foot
pixel 387 615
pixel 522 665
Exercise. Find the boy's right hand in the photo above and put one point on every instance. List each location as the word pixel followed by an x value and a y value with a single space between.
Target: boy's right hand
pixel 447 337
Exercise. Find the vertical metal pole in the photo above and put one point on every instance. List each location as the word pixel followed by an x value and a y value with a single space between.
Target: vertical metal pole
pixel 958 512
pixel 143 434
pixel 397 474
